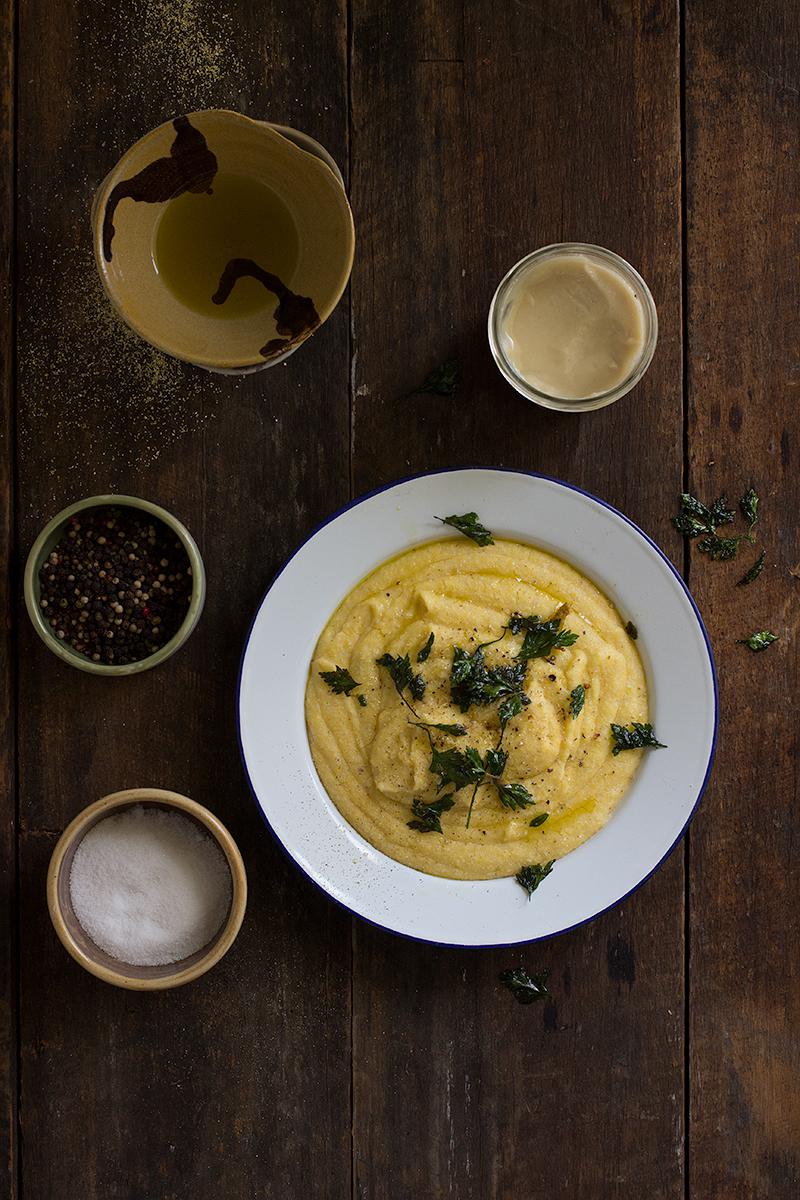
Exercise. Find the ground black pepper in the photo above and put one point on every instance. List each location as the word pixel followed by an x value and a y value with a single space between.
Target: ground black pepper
pixel 117 586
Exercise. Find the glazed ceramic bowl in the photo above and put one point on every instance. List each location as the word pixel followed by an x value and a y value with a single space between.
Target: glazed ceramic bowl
pixel 53 532
pixel 628 568
pixel 78 942
pixel 185 157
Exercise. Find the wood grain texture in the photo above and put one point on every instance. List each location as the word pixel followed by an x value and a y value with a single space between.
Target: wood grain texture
pixel 478 133
pixel 232 1085
pixel 8 851
pixel 743 106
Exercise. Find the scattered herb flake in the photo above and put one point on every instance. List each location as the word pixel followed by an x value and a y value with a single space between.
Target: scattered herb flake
pixel 402 674
pixel 524 987
pixel 695 517
pixel 541 637
pixel 362 700
pixel 514 796
pixel 496 762
pixel 453 730
pixel 424 653
pixel 632 631
pixel 428 814
pixel 457 767
pixel 470 526
pixel 759 641
pixel 340 681
pixel 442 380
pixel 637 736
pixel 755 570
pixel 472 682
pixel 530 877
pixel 540 820
pixel 577 698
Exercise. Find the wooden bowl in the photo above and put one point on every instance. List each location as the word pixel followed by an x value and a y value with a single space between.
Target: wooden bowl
pixel 80 945
pixel 183 161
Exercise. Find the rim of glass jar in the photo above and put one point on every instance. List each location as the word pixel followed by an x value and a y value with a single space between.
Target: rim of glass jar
pixel 563 403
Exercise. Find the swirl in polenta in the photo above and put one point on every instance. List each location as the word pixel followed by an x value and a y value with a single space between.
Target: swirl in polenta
pixel 374 763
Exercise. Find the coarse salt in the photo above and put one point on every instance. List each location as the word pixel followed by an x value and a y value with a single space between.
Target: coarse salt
pixel 149 886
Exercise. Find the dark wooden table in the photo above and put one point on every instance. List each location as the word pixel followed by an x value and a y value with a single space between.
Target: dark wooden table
pixel 322 1057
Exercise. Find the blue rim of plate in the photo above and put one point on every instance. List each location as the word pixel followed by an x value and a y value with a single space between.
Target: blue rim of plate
pixel 572 488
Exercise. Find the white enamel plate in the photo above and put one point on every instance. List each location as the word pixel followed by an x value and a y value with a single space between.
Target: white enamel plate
pixel 601 543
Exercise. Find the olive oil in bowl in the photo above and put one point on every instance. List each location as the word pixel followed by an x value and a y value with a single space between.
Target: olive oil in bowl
pixel 199 234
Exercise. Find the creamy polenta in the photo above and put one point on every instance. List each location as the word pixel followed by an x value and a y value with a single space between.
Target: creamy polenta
pixel 374 763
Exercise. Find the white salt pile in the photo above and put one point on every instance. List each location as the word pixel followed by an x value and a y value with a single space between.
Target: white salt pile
pixel 149 886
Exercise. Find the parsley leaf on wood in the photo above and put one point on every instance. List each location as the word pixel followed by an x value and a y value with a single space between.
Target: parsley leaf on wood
pixel 759 641
pixel 524 987
pixel 514 796
pixel 457 767
pixel 749 506
pixel 402 674
pixel 637 736
pixel 340 681
pixel 428 814
pixel 470 526
pixel 424 653
pixel 442 380
pixel 755 570
pixel 577 698
pixel 540 820
pixel 720 549
pixel 530 877
pixel 696 518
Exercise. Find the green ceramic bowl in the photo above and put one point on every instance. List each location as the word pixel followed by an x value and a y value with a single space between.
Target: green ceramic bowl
pixel 52 533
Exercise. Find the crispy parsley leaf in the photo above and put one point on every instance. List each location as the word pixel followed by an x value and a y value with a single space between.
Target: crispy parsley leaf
pixel 362 700
pixel 530 877
pixel 424 653
pixel 453 730
pixel 541 637
pixel 511 707
pixel 402 674
pixel 577 698
pixel 514 796
pixel 632 631
pixel 759 641
pixel 540 820
pixel 695 517
pixel 428 814
pixel 749 506
pixel 442 381
pixel 340 681
pixel 720 549
pixel 470 526
pixel 754 572
pixel 457 767
pixel 637 736
pixel 496 762
pixel 472 682
pixel 525 988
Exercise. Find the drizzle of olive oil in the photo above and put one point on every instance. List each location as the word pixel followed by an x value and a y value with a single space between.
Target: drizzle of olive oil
pixel 198 235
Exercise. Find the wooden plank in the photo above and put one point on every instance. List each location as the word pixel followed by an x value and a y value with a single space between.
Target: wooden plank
pixel 8 851
pixel 743 178
pixel 478 133
pixel 236 1083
